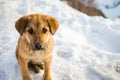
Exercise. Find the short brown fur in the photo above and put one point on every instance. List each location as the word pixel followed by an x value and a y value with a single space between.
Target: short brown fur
pixel 43 28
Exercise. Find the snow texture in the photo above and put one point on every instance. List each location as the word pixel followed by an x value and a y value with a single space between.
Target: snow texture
pixel 110 8
pixel 86 48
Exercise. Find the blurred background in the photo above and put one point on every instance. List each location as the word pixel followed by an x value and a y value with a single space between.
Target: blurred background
pixel 106 9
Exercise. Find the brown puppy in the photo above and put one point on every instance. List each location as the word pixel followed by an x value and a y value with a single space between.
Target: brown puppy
pixel 35 44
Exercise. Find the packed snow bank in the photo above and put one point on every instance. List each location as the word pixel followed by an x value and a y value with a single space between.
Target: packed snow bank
pixel 86 48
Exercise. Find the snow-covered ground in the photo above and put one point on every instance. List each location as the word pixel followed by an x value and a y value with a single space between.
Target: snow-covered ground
pixel 86 48
pixel 110 8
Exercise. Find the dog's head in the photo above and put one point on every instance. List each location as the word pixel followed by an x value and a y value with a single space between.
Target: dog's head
pixel 37 29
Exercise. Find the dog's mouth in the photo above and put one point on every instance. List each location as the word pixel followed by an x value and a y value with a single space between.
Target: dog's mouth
pixel 38 49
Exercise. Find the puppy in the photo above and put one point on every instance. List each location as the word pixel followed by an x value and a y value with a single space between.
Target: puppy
pixel 35 44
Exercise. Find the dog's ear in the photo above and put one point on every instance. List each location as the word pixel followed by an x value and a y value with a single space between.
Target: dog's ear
pixel 21 24
pixel 53 24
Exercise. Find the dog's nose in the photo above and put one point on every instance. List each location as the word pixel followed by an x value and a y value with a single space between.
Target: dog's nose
pixel 38 46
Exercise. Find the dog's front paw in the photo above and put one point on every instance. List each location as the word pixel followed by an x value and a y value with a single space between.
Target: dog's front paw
pixel 47 78
pixel 26 77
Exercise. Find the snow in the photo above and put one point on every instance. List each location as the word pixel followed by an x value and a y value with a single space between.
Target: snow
pixel 110 8
pixel 86 48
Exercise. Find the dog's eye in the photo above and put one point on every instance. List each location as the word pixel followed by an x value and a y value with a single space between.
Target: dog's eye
pixel 31 31
pixel 44 30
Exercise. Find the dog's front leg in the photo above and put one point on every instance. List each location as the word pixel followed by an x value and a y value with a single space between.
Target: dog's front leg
pixel 47 73
pixel 24 68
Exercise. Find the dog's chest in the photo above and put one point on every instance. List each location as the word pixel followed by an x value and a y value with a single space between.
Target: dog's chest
pixel 38 56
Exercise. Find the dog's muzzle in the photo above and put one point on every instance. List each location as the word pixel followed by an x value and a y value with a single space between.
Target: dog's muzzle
pixel 38 46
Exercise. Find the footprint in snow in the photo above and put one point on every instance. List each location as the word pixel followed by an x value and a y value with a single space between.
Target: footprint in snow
pixel 117 67
pixel 65 52
pixel 66 77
